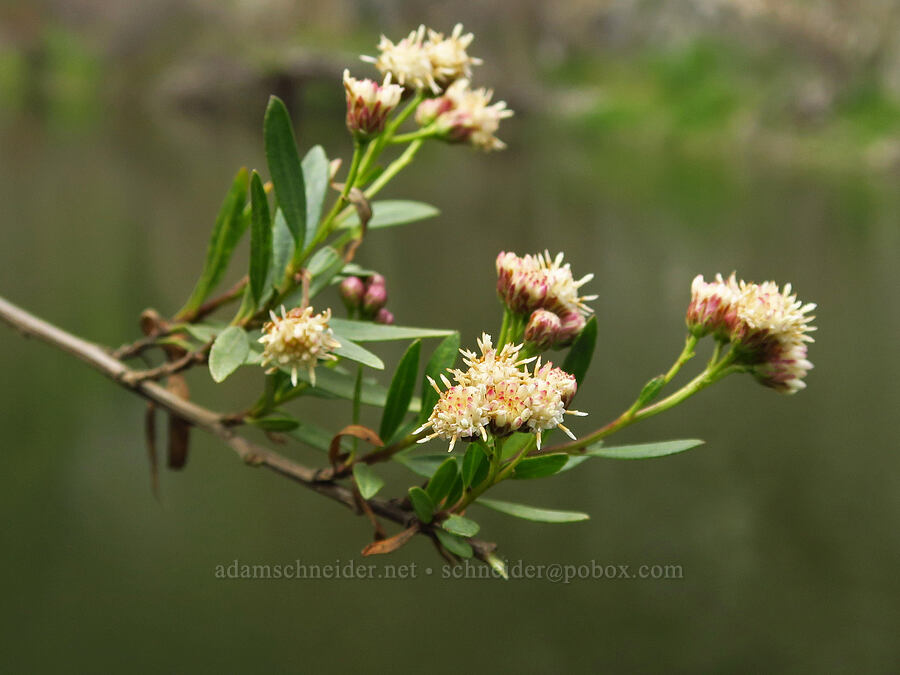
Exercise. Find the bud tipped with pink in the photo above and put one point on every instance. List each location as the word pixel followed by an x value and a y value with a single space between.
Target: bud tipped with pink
pixel 542 330
pixel 375 298
pixel 384 317
pixel 352 290
pixel 369 104
pixel 572 323
pixel 713 306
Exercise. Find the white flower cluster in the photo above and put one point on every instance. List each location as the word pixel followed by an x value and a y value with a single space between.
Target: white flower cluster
pixel 298 339
pixel 768 327
pixel 466 115
pixel 496 395
pixel 419 62
pixel 430 61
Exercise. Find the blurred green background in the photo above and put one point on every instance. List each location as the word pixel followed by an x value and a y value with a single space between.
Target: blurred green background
pixel 652 141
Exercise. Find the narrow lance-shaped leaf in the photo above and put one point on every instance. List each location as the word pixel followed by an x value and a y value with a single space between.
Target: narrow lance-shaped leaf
pixel 285 167
pixel 315 178
pixel 532 512
pixel 352 351
pixel 390 212
pixel 260 238
pixel 366 331
pixel 444 357
pixel 230 225
pixel 578 360
pixel 401 391
pixel 277 421
pixel 282 249
pixel 228 352
pixel 643 450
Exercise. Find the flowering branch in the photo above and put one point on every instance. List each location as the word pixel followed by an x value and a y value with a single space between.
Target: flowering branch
pixel 214 423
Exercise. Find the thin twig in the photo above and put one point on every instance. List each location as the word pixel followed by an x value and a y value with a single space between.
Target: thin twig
pixel 210 421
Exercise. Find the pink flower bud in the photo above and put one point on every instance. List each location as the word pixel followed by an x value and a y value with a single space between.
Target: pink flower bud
pixel 374 299
pixel 352 290
pixel 369 104
pixel 573 323
pixel 384 316
pixel 543 329
pixel 375 280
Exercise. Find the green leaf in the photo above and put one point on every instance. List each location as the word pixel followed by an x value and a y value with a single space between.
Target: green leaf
pixel 390 212
pixel 464 527
pixel 229 227
pixel 475 462
pixel 323 266
pixel 442 480
pixel 351 350
pixel 578 360
pixel 532 512
pixel 316 437
pixel 332 382
pixel 285 168
pixel 368 482
pixel 423 465
pixel 643 450
pixel 366 331
pixel 274 422
pixel 512 445
pixel 540 466
pixel 422 504
pixel 282 249
pixel 315 178
pixel 443 357
pixel 204 332
pixel 573 461
pixel 401 391
pixel 260 238
pixel 228 352
pixel 453 543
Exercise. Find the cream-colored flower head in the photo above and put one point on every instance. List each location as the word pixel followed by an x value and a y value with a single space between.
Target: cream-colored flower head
pixel 540 282
pixel 470 117
pixel 491 367
pixel 558 379
pixel 369 103
pixel 461 412
pixel 712 307
pixel 408 61
pixel 765 313
pixel 767 327
pixel 298 340
pixel 449 57
pixel 495 393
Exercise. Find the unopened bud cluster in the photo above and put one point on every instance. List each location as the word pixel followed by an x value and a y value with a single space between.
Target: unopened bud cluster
pixel 369 104
pixel 767 326
pixel 367 297
pixel 544 289
pixel 497 396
